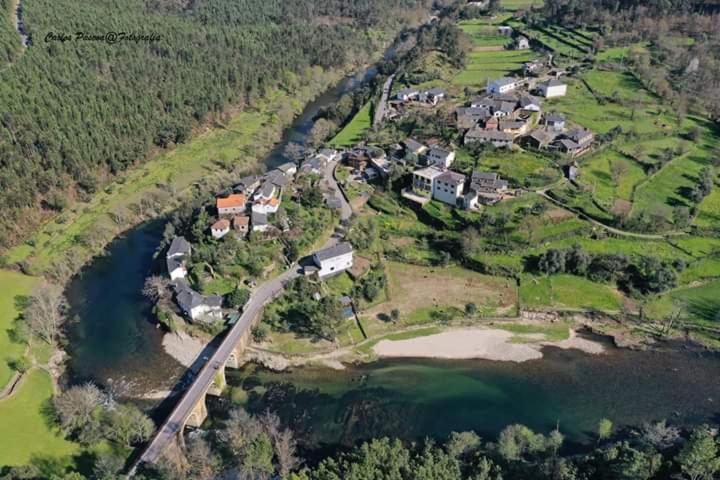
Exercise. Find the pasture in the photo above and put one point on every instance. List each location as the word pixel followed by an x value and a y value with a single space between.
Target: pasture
pixel 355 130
pixel 485 66
pixel 568 292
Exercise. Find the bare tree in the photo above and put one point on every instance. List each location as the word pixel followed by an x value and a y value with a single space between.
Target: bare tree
pixel 204 464
pixel 76 406
pixel 283 441
pixel 46 312
pixel 240 430
pixel 286 452
pixel 155 288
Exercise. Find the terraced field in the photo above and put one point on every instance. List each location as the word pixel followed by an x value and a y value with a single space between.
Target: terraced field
pixel 484 66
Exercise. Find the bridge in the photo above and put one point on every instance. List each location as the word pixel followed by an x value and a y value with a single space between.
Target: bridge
pixel 191 409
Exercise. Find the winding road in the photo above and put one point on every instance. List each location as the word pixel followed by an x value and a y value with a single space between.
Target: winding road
pixel 382 105
pixel 260 297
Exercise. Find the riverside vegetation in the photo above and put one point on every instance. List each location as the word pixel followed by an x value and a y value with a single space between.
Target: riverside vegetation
pixel 260 447
pixel 248 89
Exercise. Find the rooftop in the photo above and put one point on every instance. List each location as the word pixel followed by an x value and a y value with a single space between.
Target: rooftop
pixel 413 145
pixel 452 177
pixel 236 200
pixel 179 246
pixel 259 218
pixel 488 134
pixel 333 252
pixel 504 81
pixel 222 224
pixel 428 172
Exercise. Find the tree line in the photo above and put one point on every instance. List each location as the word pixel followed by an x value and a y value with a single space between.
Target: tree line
pixel 260 448
pixel 77 113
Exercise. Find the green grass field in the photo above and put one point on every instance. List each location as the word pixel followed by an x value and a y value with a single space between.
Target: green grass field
pixel 620 85
pixel 582 108
pixel 518 4
pixel 484 66
pixel 699 304
pixel 521 167
pixel 619 54
pixel 597 174
pixel 709 214
pixel 482 34
pixel 12 285
pixel 567 291
pixel 671 185
pixel 24 429
pixel 354 131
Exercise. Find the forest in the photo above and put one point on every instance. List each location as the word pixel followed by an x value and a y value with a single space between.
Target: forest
pixel 77 113
pixel 260 447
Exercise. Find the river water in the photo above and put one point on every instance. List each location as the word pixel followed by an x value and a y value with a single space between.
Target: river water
pixel 114 338
pixel 414 398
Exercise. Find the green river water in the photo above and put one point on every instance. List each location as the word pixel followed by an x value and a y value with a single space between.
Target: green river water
pixel 417 398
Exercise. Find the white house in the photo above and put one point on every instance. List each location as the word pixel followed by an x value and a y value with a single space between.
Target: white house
pixel 220 228
pixel 448 187
pixel 522 43
pixel 334 259
pixel 407 94
pixel 414 147
pixel 176 258
pixel 552 88
pixel 530 103
pixel 432 96
pixel 197 306
pixel 265 192
pixel 424 180
pixel 502 85
pixel 329 154
pixel 176 268
pixel 441 157
pixel 259 222
pixel 270 205
pixel 179 248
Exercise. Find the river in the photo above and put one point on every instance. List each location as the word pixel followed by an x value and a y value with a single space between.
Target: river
pixel 114 337
pixel 414 398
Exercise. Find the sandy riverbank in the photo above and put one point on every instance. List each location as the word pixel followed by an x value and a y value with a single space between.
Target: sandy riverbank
pixel 183 348
pixel 488 344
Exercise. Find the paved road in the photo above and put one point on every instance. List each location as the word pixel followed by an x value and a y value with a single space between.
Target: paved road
pixel 334 190
pixel 382 105
pixel 260 297
pixel 167 432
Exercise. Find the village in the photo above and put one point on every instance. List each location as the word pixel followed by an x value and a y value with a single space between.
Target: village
pixel 464 184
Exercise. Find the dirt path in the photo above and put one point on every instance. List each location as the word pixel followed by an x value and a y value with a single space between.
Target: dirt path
pixel 624 233
pixel 11 386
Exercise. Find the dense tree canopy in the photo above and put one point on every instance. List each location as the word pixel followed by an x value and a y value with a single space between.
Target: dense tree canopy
pixel 76 111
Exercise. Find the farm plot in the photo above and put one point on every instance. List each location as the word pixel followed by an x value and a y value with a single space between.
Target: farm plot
pixel 417 291
pixel 611 176
pixel 484 66
pixel 568 291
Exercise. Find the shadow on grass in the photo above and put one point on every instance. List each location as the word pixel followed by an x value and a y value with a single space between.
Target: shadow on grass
pixel 707 309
